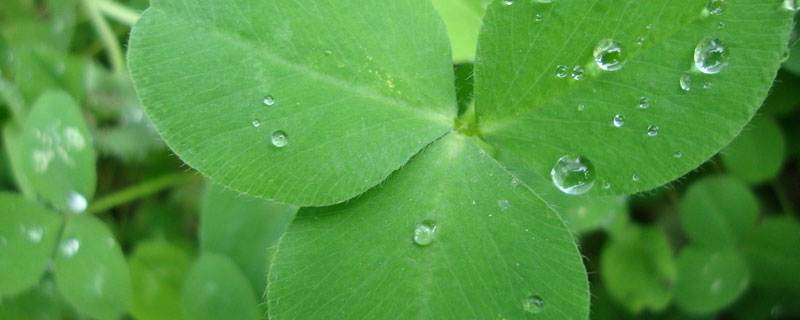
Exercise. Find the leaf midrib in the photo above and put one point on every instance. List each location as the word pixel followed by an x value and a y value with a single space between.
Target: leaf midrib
pixel 359 90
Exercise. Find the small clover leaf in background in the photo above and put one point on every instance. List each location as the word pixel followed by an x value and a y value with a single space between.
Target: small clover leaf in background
pixel 216 289
pixel 709 279
pixel 757 154
pixel 718 211
pixel 158 271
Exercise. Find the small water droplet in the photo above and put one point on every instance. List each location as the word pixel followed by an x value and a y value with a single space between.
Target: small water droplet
pixel 514 182
pixel 69 247
pixel 720 25
pixel 635 178
pixel 562 71
pixel 790 5
pixel 328 52
pixel 707 85
pixel 686 82
pixel 716 7
pixel 573 174
pixel 533 304
pixel 269 100
pixel 606 185
pixel 508 2
pixel 644 102
pixel 649 26
pixel 538 17
pixel 581 107
pixel 280 139
pixel 678 154
pixel 618 121
pixel 640 40
pixel 256 123
pixel 503 205
pixel 35 234
pixel 578 73
pixel 609 54
pixel 543 1
pixel 425 232
pixel 652 131
pixel 76 202
pixel 711 56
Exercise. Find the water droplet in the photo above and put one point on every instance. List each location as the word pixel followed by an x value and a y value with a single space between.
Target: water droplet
pixel 609 54
pixel 328 52
pixel 514 182
pixel 649 26
pixel 35 234
pixel 578 73
pixel 606 185
pixel 581 107
pixel 686 82
pixel 425 232
pixel 678 154
pixel 533 304
pixel 543 1
pixel 573 174
pixel 635 178
pixel 790 5
pixel 69 247
pixel 280 139
pixel 711 56
pixel 716 7
pixel 504 204
pixel 707 85
pixel 618 121
pixel 562 71
pixel 76 202
pixel 256 123
pixel 652 131
pixel 644 102
pixel 508 2
pixel 720 25
pixel 538 17
pixel 269 100
pixel 640 40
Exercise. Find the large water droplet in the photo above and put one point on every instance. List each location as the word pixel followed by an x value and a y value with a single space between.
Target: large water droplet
pixel 711 56
pixel 34 233
pixel 618 121
pixel 609 54
pixel 76 202
pixel 425 232
pixel 269 100
pixel 686 82
pixel 790 5
pixel 562 71
pixel 533 304
pixel 716 7
pixel 280 139
pixel 652 130
pixel 578 73
pixel 644 102
pixel 573 174
pixel 69 247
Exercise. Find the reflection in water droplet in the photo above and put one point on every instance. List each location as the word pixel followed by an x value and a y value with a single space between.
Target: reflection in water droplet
pixel 269 100
pixel 573 174
pixel 618 121
pixel 503 205
pixel 578 73
pixel 652 130
pixel 280 139
pixel 609 54
pixel 711 56
pixel 533 304
pixel 425 232
pixel 644 102
pixel 716 7
pixel 76 202
pixel 562 71
pixel 686 82
pixel 69 247
pixel 35 234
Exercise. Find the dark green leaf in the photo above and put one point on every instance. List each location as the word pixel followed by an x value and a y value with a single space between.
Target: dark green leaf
pixel 41 302
pixel 215 289
pixel 757 154
pixel 771 249
pixel 718 211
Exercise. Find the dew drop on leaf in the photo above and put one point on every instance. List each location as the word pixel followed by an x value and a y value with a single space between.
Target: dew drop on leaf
pixel 686 82
pixel 619 121
pixel 721 25
pixel 508 2
pixel 76 202
pixel 652 131
pixel 640 40
pixel 578 73
pixel 503 205
pixel 533 304
pixel 716 7
pixel 711 56
pixel 69 247
pixel 34 234
pixel 581 107
pixel 644 102
pixel 279 139
pixel 538 17
pixel 256 123
pixel 635 178
pixel 425 232
pixel 790 5
pixel 678 154
pixel 562 71
pixel 609 54
pixel 543 1
pixel 573 174
pixel 269 100
pixel 606 185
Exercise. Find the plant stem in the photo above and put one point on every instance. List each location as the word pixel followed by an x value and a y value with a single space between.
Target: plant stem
pixel 118 12
pixel 783 199
pixel 106 36
pixel 138 191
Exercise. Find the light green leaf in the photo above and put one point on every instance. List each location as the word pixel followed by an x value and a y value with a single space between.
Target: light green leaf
pixel 41 302
pixel 41 69
pixel 639 270
pixel 49 24
pixel 771 249
pixel 757 154
pixel 586 214
pixel 243 228
pixel 463 20
pixel 12 140
pixel 355 88
pixel 157 272
pixel 709 279
pixel 718 211
pixel 58 156
pixel 90 269
pixel 28 234
pixel 530 114
pixel 484 249
pixel 216 290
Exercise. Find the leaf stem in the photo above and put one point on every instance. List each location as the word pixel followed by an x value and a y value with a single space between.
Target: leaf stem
pixel 118 12
pixel 138 191
pixel 107 36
